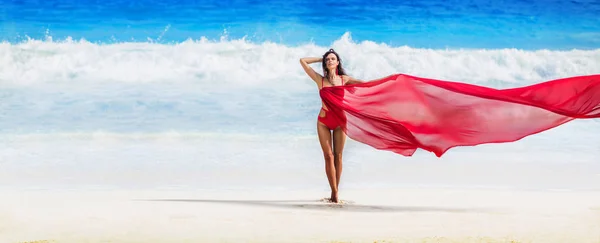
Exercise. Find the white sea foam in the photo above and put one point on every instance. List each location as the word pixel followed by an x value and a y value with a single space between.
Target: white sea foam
pixel 240 63
pixel 226 85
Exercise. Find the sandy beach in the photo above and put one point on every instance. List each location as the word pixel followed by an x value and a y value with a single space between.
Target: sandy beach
pixel 390 215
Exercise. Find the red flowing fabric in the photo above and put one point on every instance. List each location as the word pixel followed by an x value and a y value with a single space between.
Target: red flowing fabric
pixel 401 113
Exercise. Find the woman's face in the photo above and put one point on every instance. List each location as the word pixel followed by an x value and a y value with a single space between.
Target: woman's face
pixel 331 61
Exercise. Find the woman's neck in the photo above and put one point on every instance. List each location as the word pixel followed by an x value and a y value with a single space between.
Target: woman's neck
pixel 332 74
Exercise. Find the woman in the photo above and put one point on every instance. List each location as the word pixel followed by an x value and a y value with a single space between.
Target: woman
pixel 331 136
pixel 402 113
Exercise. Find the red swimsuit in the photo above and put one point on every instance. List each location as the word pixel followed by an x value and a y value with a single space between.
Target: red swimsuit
pixel 329 119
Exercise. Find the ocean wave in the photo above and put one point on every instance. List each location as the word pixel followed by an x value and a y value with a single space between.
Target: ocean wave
pixel 241 63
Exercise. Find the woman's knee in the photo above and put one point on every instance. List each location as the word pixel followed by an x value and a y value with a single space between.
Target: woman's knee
pixel 337 157
pixel 329 157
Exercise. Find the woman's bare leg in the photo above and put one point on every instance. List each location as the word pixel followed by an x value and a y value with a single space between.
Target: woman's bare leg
pixel 326 145
pixel 339 139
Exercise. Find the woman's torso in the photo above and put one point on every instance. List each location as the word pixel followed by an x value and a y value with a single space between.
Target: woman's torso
pixel 324 82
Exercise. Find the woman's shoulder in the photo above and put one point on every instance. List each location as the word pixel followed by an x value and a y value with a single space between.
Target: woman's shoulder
pixel 346 78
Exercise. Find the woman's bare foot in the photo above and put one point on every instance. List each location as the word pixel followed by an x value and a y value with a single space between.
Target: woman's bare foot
pixel 334 197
